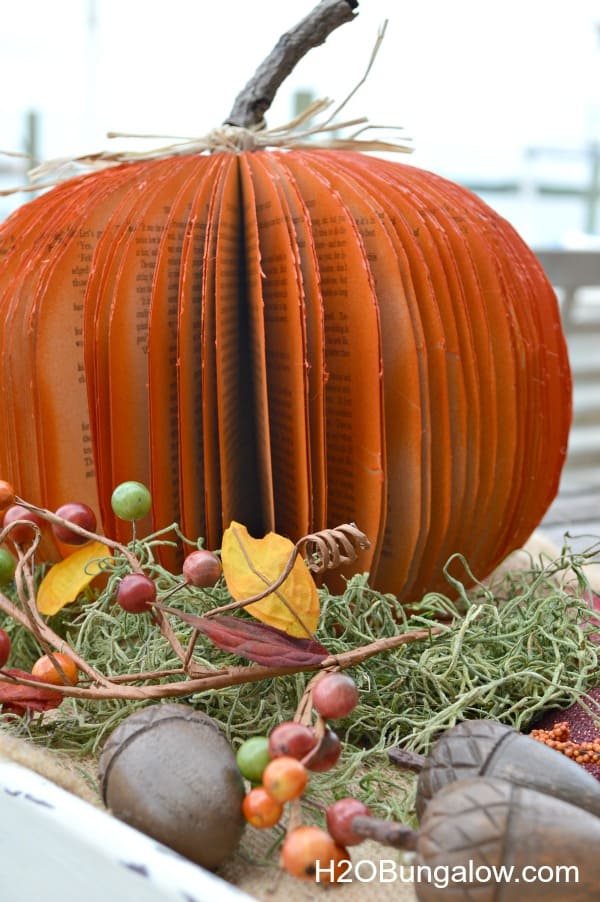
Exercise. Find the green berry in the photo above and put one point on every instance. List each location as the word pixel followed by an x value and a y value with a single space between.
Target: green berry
pixel 7 566
pixel 131 501
pixel 252 758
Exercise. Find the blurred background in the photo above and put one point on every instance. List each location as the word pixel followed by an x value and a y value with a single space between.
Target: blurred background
pixel 501 97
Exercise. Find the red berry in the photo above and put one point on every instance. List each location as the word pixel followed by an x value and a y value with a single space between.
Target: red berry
pixel 4 647
pixel 326 755
pixel 293 739
pixel 335 695
pixel 339 820
pixel 135 593
pixel 311 854
pixel 260 809
pixel 285 779
pixel 24 532
pixel 202 568
pixel 81 515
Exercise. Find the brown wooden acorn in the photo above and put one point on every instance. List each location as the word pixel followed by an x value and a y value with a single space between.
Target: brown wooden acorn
pixel 475 825
pixel 169 771
pixel 487 748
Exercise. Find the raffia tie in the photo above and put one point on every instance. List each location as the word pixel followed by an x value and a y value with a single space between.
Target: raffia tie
pixel 225 139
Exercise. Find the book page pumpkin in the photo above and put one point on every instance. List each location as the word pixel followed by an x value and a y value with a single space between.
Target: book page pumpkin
pixel 288 339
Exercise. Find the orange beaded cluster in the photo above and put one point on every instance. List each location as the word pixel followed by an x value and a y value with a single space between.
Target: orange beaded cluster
pixel 558 738
pixel 282 762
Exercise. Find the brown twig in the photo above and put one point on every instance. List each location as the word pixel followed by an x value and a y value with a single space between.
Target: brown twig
pixel 236 676
pixel 26 594
pixel 31 620
pixel 85 533
pixel 388 833
pixel 190 648
pixel 304 714
pixel 328 548
pixel 162 622
pixel 257 96
pixel 144 675
pixel 407 759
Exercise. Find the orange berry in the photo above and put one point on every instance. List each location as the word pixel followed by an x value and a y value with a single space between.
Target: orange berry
pixel 308 852
pixel 285 778
pixel 7 494
pixel 260 809
pixel 45 671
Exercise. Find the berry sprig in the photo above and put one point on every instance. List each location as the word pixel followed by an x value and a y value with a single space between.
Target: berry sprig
pixel 133 587
pixel 558 737
pixel 283 761
pixel 74 523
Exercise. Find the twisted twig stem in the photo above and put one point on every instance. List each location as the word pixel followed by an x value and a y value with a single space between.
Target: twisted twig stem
pixel 236 676
pixel 257 96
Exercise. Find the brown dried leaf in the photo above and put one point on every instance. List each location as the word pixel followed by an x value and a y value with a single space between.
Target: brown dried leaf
pixel 26 698
pixel 257 642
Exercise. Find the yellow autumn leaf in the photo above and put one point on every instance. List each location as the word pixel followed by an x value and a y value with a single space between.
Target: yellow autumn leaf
pixel 64 581
pixel 250 565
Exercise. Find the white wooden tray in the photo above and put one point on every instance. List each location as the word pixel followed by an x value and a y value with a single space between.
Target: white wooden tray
pixel 57 848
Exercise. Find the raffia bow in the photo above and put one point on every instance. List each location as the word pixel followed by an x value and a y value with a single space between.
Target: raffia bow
pixel 298 133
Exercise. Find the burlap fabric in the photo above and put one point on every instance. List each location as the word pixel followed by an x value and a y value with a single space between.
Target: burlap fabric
pixel 243 870
pixel 269 884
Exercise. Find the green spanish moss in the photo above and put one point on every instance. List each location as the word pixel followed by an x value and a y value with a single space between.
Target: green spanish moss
pixel 508 654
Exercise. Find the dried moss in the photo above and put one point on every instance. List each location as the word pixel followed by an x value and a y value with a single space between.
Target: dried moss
pixel 509 654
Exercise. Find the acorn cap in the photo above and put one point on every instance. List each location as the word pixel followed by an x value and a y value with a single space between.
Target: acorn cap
pixel 143 720
pixel 461 752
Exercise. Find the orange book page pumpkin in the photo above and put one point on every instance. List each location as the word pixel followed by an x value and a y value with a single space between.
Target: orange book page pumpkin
pixel 419 345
